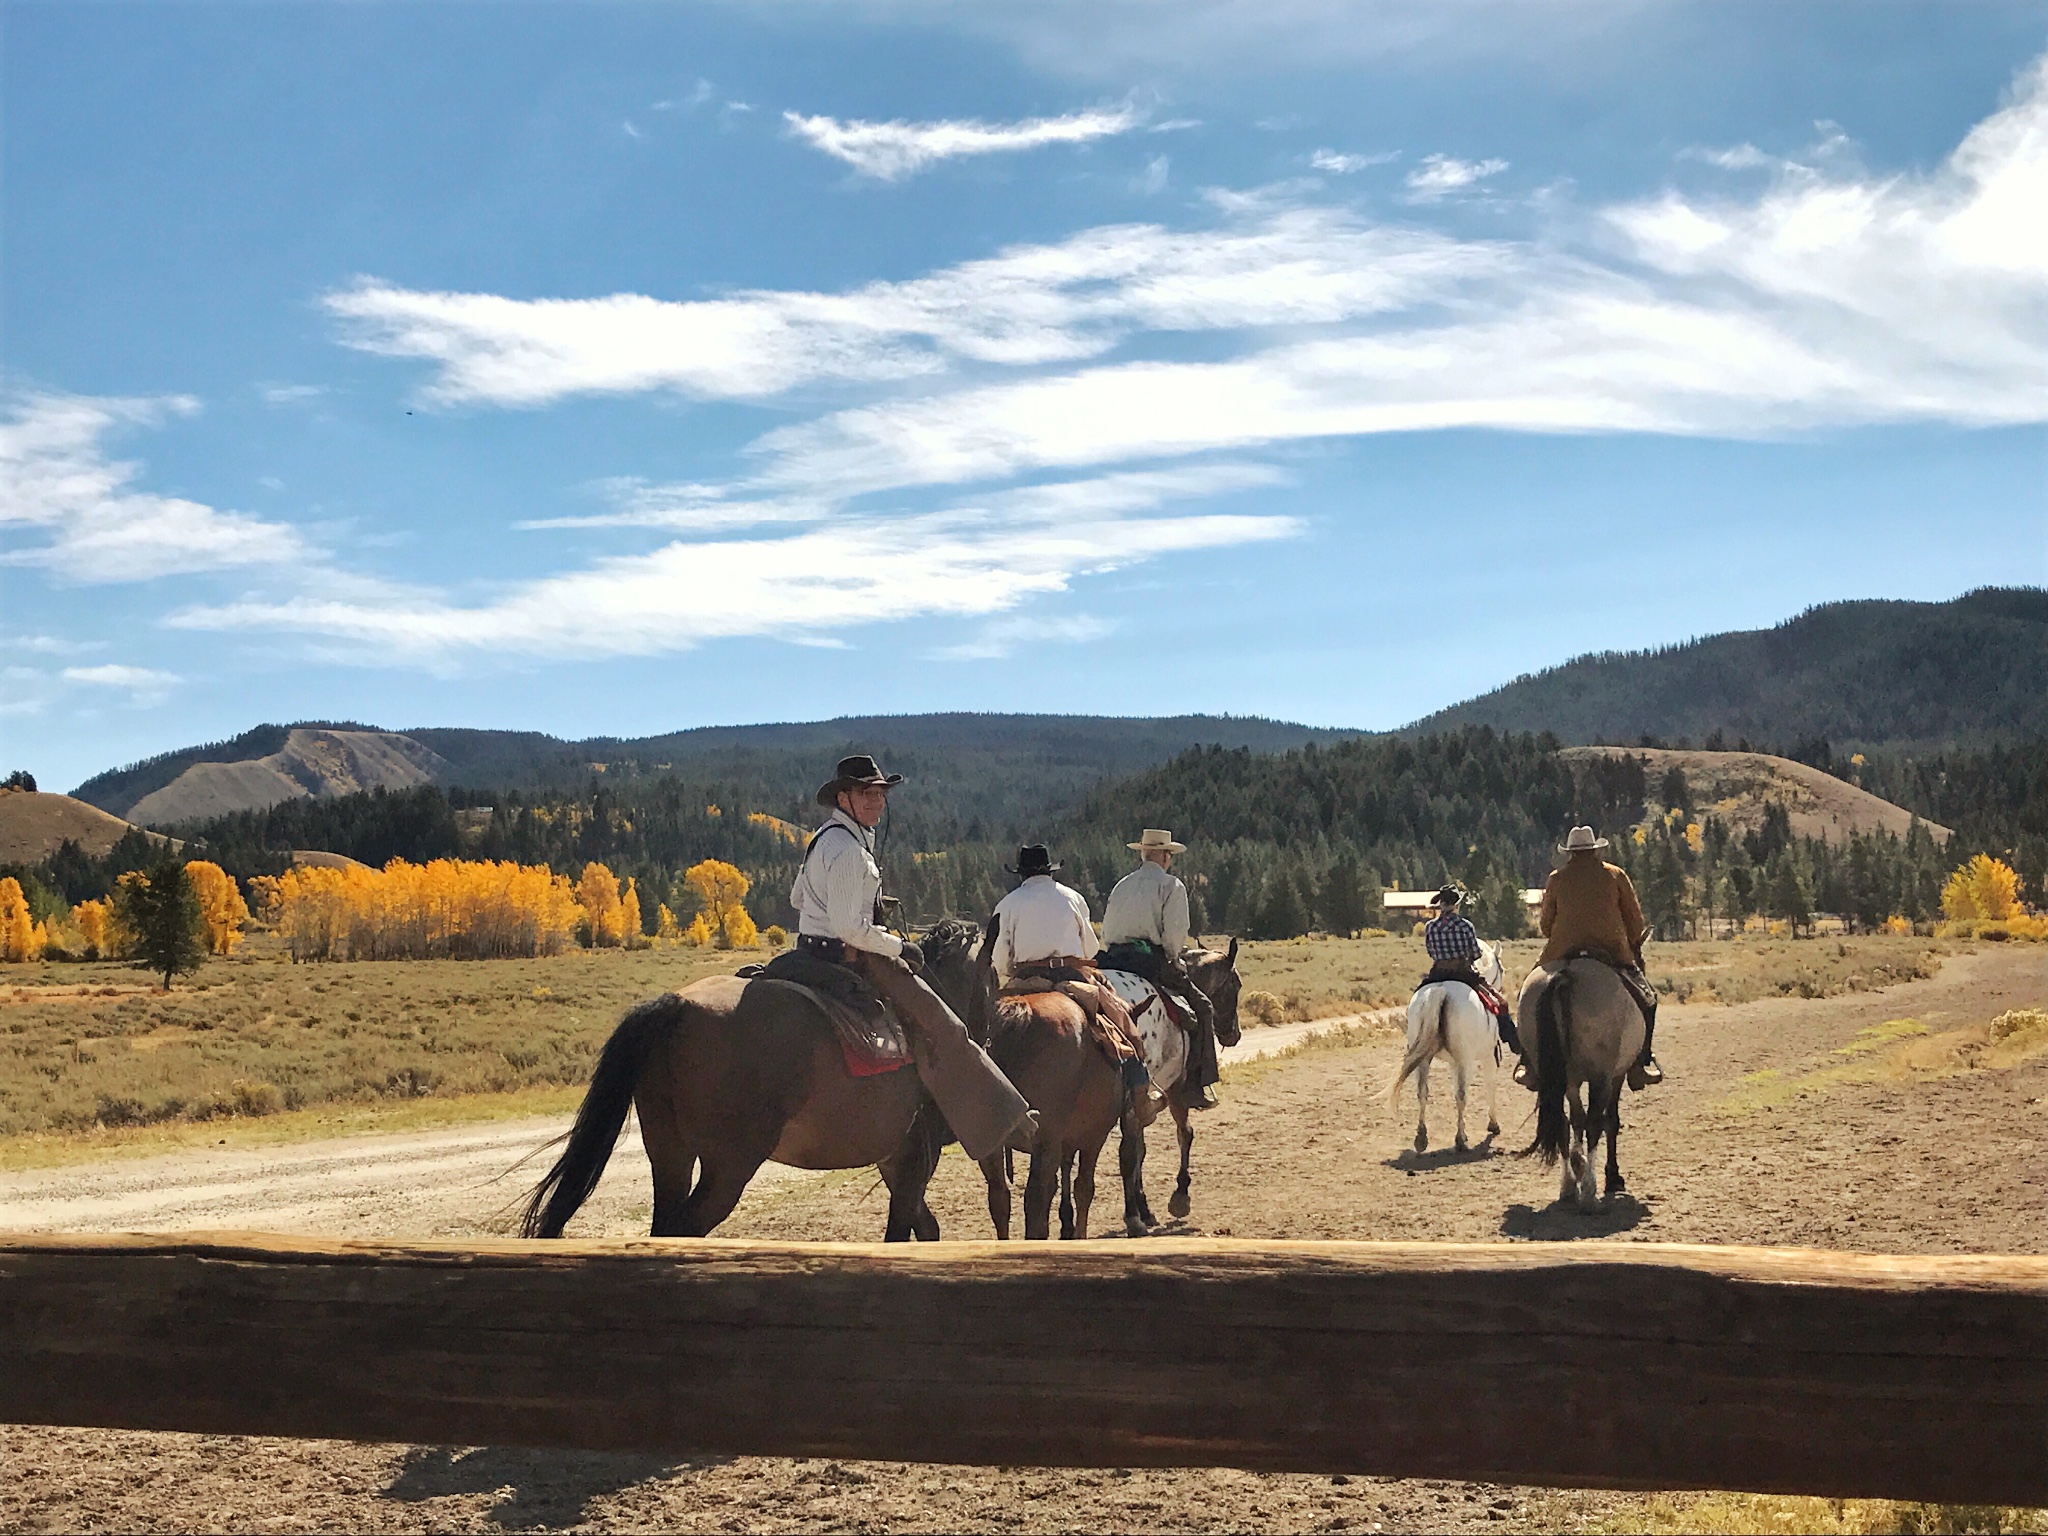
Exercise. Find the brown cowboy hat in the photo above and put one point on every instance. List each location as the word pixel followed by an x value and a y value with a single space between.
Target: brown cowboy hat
pixel 858 772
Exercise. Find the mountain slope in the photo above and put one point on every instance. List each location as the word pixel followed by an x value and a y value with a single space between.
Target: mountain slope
pixel 310 763
pixel 1867 673
pixel 1738 786
pixel 33 826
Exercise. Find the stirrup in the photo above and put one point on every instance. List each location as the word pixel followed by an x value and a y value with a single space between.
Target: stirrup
pixel 1521 1072
pixel 1204 1098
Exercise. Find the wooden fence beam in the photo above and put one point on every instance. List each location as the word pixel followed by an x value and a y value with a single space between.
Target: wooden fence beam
pixel 1619 1365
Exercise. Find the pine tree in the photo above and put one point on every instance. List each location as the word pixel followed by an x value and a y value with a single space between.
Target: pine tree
pixel 161 909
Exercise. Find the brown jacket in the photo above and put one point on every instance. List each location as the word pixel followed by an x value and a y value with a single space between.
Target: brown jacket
pixel 1590 904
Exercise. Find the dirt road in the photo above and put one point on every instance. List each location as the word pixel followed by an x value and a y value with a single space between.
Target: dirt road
pixel 1779 1124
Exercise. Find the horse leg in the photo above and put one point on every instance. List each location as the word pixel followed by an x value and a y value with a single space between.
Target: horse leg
pixel 1422 1109
pixel 1084 1187
pixel 1615 1185
pixel 1595 1123
pixel 723 1179
pixel 1039 1188
pixel 671 1193
pixel 907 1175
pixel 995 1170
pixel 1460 1071
pixel 1575 1155
pixel 1138 1220
pixel 1180 1204
pixel 1491 1067
pixel 1066 1195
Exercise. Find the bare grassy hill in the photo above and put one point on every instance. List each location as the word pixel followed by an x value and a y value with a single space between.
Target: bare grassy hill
pixel 312 763
pixel 32 826
pixel 1736 786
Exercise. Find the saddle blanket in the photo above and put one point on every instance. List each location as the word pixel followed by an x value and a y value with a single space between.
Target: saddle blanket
pixel 1160 1035
pixel 1489 999
pixel 871 1038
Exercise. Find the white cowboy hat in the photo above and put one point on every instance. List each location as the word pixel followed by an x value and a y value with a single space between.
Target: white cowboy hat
pixel 1157 840
pixel 1581 840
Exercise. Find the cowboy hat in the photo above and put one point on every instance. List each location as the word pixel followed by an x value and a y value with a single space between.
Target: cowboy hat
pixel 1449 896
pixel 857 772
pixel 1581 840
pixel 1033 859
pixel 1157 840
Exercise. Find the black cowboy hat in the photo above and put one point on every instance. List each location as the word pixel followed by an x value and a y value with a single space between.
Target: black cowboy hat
pixel 1033 859
pixel 857 772
pixel 1449 896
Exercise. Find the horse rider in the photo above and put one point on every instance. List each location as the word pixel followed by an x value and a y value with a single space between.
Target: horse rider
pixel 1590 908
pixel 1453 946
pixel 1043 932
pixel 837 896
pixel 1144 930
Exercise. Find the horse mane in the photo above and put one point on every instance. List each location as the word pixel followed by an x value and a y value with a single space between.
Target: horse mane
pixel 949 939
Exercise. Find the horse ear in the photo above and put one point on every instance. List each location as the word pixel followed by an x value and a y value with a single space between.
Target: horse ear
pixel 1231 957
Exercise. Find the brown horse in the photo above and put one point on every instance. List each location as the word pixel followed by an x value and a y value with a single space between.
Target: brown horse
pixel 1042 1042
pixel 1216 974
pixel 727 1076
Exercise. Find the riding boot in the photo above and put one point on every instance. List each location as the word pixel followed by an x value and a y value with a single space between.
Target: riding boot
pixel 1646 1073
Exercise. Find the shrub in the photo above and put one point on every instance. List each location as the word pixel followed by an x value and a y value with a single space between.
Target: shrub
pixel 775 936
pixel 1262 1008
pixel 1982 888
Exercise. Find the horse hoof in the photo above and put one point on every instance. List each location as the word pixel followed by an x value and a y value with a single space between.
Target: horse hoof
pixel 1180 1204
pixel 1464 1145
pixel 1493 1127
pixel 1136 1229
pixel 1421 1140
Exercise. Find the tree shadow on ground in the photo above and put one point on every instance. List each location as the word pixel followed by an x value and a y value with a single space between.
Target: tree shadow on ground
pixel 1409 1161
pixel 1564 1222
pixel 536 1489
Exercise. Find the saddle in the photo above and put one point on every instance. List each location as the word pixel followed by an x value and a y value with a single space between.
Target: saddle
pixel 871 1038
pixel 1636 983
pixel 1489 999
pixel 1113 1036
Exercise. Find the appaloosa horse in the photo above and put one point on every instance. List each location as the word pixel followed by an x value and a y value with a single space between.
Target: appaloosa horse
pixel 725 1079
pixel 1216 974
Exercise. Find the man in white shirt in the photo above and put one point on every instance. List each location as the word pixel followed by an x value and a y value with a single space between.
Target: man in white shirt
pixel 837 895
pixel 1043 930
pixel 1043 923
pixel 1144 930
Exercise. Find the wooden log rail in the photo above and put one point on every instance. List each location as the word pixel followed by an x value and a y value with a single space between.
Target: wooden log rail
pixel 1610 1365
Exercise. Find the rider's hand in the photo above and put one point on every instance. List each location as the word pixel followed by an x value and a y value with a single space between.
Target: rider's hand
pixel 912 956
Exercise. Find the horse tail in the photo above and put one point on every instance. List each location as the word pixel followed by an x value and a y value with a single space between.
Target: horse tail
pixel 598 1122
pixel 1427 1043
pixel 1553 1030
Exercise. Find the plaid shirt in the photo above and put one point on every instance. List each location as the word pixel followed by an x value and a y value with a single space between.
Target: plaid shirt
pixel 1451 937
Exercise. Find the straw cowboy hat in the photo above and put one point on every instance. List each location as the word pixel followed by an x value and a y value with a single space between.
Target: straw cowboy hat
pixel 1581 840
pixel 1157 840
pixel 855 773
pixel 1033 859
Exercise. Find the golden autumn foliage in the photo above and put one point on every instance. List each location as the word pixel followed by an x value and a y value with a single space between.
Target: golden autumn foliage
pixel 1984 888
pixel 597 892
pixel 698 934
pixel 666 930
pixel 629 917
pixel 722 890
pixel 17 931
pixel 220 905
pixel 788 832
pixel 94 920
pixel 449 909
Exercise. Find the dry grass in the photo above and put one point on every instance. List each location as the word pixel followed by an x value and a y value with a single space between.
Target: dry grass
pixel 88 1050
pixel 1318 977
pixel 1899 1050
pixel 1759 1514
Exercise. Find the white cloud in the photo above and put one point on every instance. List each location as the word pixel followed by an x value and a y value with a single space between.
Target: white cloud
pixel 1153 182
pixel 1440 175
pixel 143 685
pixel 48 645
pixel 1002 637
pixel 969 560
pixel 1345 165
pixel 893 150
pixel 54 480
pixel 290 394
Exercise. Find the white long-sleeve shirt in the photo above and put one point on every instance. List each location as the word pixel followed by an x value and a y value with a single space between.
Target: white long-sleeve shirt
pixel 1148 904
pixel 1042 919
pixel 835 891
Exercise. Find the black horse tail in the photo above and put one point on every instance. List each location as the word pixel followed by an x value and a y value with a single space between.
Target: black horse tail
pixel 1553 1027
pixel 598 1123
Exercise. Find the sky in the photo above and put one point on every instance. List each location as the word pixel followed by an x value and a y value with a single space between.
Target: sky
pixel 618 368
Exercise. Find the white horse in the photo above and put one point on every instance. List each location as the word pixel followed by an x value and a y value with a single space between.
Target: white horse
pixel 1446 1018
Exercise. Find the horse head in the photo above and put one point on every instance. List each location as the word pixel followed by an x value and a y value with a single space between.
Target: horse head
pixel 949 966
pixel 1216 974
pixel 1489 967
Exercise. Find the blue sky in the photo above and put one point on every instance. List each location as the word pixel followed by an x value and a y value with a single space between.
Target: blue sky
pixel 618 368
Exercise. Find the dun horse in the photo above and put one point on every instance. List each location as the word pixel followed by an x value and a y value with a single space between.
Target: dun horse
pixel 724 1085
pixel 1583 1032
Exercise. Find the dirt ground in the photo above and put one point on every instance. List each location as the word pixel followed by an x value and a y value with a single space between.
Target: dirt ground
pixel 1783 1122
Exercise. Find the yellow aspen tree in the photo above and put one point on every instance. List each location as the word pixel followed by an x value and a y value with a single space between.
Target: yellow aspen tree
pixel 38 941
pixel 90 919
pixel 629 915
pixel 1983 888
pixel 597 891
pixel 722 889
pixel 220 905
pixel 666 930
pixel 698 934
pixel 17 932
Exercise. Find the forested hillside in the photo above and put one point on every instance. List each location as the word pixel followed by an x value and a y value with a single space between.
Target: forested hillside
pixel 1961 673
